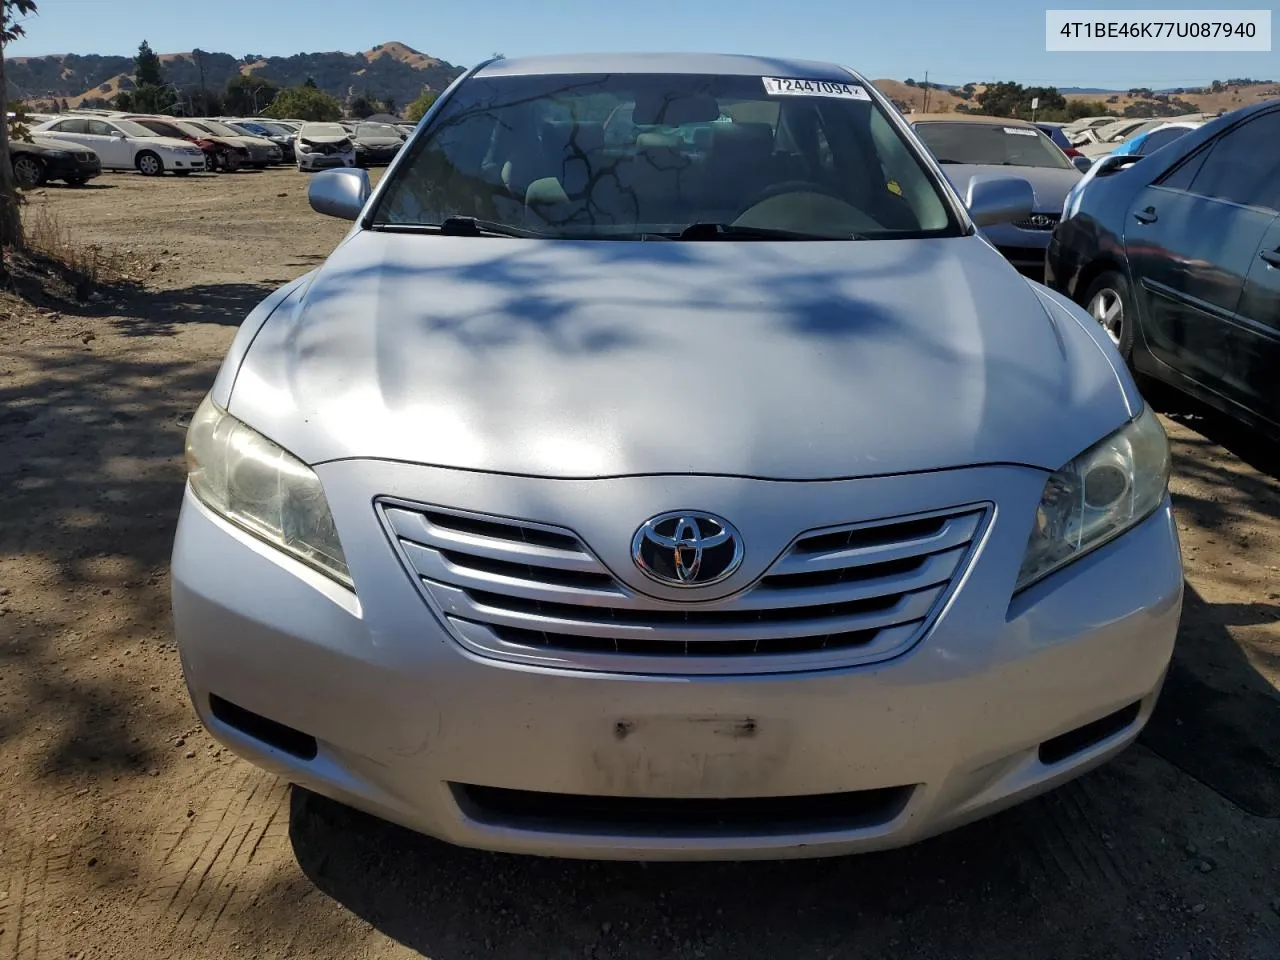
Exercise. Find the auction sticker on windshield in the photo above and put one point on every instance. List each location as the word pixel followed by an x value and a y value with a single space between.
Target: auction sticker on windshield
pixel 783 87
pixel 1020 132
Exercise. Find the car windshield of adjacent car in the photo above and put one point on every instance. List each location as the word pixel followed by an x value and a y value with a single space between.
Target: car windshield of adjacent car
pixel 186 129
pixel 133 129
pixel 655 155
pixel 382 131
pixel 323 130
pixel 257 129
pixel 220 129
pixel 994 144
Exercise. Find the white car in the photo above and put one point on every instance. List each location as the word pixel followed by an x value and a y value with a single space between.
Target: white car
pixel 125 145
pixel 321 146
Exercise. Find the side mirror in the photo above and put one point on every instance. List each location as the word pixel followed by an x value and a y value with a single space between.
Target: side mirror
pixel 339 193
pixel 119 135
pixel 1081 163
pixel 993 199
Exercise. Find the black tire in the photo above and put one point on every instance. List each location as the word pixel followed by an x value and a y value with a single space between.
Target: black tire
pixel 1110 301
pixel 28 171
pixel 222 162
pixel 149 164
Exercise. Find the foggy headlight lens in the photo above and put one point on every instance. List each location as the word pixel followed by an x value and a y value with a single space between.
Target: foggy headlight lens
pixel 244 477
pixel 1112 486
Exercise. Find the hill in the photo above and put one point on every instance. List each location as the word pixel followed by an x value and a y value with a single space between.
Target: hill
pixel 393 70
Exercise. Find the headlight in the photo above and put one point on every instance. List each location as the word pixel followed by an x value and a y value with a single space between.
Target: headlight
pixel 1111 487
pixel 257 485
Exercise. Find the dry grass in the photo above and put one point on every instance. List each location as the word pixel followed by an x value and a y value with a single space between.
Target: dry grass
pixel 49 236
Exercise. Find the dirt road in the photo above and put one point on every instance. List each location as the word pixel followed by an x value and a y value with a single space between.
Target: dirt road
pixel 127 834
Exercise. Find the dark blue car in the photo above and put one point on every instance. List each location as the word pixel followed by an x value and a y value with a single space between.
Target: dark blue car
pixel 1177 254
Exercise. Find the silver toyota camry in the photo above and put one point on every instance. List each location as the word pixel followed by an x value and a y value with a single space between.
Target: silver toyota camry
pixel 664 466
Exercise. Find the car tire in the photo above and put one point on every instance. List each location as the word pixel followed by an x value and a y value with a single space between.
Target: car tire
pixel 28 171
pixel 149 164
pixel 1109 301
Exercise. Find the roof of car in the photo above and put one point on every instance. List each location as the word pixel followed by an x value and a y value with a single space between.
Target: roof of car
pixel 966 118
pixel 703 63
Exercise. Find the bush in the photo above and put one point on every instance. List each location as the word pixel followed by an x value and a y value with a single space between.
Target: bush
pixel 418 109
pixel 304 103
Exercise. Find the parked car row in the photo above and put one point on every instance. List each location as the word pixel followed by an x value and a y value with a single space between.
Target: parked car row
pixel 77 146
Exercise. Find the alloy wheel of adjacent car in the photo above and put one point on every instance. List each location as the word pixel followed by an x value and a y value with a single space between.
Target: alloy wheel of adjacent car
pixel 1108 302
pixel 149 165
pixel 28 171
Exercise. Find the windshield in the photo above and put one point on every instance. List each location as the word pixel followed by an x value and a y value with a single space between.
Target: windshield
pixel 275 129
pixel 254 128
pixel 377 130
pixel 990 143
pixel 221 129
pixel 134 129
pixel 189 129
pixel 621 155
pixel 323 130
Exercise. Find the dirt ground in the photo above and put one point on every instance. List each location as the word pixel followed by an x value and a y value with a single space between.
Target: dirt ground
pixel 126 833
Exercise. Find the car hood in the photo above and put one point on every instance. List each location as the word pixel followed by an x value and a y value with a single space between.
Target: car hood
pixel 789 360
pixel 39 144
pixel 169 143
pixel 326 139
pixel 379 141
pixel 1049 184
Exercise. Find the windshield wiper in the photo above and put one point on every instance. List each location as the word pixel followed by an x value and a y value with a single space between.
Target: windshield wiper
pixel 461 227
pixel 474 227
pixel 709 230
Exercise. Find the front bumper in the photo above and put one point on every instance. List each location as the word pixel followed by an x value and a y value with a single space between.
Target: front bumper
pixel 325 161
pixel 397 719
pixel 74 168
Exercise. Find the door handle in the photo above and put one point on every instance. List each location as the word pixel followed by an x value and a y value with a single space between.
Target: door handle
pixel 1146 216
pixel 1272 257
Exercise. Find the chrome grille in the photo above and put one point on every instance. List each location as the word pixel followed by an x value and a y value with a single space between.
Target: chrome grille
pixel 533 593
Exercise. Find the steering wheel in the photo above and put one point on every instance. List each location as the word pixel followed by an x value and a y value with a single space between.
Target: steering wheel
pixel 790 186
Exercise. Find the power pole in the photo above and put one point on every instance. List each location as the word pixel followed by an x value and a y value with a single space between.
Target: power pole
pixel 926 92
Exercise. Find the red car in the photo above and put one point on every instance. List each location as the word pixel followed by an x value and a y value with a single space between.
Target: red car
pixel 219 154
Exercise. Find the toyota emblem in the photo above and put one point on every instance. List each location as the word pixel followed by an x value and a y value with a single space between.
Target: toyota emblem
pixel 687 549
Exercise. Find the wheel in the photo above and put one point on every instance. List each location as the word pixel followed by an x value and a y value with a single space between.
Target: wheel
pixel 149 165
pixel 182 173
pixel 76 181
pixel 28 171
pixel 1109 301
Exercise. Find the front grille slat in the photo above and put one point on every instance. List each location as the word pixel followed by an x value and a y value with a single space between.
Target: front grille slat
pixel 852 548
pixel 536 593
pixel 567 619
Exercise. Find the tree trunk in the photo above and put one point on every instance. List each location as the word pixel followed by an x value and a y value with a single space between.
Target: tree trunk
pixel 10 219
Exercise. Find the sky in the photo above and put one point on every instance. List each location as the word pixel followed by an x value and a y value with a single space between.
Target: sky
pixel 954 41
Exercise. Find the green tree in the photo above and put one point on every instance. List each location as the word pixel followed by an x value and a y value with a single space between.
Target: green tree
pixel 1007 99
pixel 309 82
pixel 418 109
pixel 362 106
pixel 146 67
pixel 304 103
pixel 249 95
pixel 149 93
pixel 10 219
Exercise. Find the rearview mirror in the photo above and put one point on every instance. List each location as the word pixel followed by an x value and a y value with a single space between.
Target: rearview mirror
pixel 993 199
pixel 339 193
pixel 1081 163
